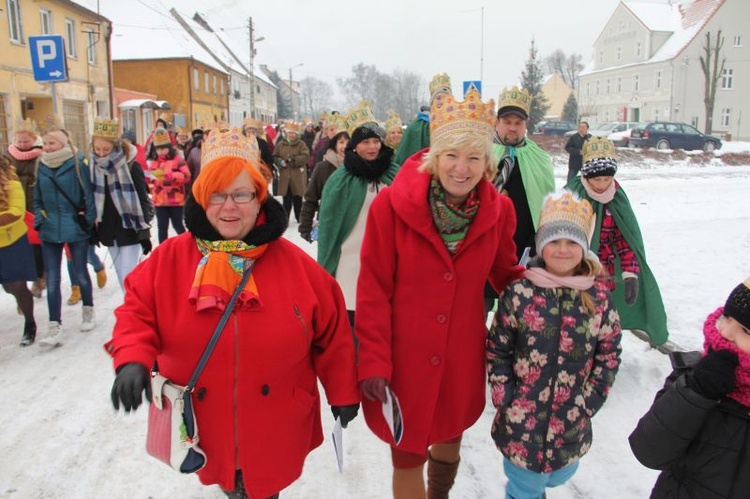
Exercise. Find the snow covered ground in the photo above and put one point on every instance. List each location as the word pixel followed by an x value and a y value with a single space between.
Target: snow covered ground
pixel 60 437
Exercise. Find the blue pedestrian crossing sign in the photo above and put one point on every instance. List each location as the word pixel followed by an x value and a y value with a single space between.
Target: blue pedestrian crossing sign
pixel 48 58
pixel 475 84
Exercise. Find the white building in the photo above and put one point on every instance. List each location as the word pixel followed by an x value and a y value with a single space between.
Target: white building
pixel 646 65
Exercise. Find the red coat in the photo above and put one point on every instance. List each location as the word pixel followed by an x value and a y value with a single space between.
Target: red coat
pixel 420 314
pixel 260 409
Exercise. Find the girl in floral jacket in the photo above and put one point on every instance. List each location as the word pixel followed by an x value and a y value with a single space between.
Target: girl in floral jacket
pixel 552 354
pixel 168 175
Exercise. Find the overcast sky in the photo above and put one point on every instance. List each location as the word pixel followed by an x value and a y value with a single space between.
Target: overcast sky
pixel 426 36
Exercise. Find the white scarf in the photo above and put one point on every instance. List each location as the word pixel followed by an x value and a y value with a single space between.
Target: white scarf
pixel 57 158
pixel 602 197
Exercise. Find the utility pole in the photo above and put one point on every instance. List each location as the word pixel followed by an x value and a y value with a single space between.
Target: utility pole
pixel 252 67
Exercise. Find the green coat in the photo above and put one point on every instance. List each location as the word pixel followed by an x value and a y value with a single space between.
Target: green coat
pixel 647 313
pixel 416 137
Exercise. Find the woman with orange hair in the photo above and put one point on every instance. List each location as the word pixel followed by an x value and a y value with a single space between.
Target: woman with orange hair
pixel 257 399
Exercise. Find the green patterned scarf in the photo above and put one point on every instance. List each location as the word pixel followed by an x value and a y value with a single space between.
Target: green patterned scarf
pixel 452 222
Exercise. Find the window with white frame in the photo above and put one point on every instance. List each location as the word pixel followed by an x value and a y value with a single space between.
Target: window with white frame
pixel 694 121
pixel 608 86
pixel 597 87
pixel 727 79
pixel 726 114
pixel 657 79
pixel 196 79
pixel 738 40
pixel 221 86
pixel 91 39
pixel 45 21
pixel 619 84
pixel 619 53
pixel 656 114
pixel 206 82
pixel 636 83
pixel 14 21
pixel 588 89
pixel 70 38
pixel 638 49
pixel 215 87
pixel 601 57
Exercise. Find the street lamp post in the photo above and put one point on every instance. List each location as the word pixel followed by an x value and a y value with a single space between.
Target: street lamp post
pixel 291 89
pixel 253 40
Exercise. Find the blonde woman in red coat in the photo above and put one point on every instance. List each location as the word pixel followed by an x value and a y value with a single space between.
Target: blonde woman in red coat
pixel 431 241
pixel 257 401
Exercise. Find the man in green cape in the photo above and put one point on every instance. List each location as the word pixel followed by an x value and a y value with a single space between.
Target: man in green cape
pixel 524 173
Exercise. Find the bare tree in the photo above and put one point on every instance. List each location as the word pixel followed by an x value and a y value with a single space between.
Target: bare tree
pixel 712 71
pixel 409 93
pixel 402 91
pixel 315 95
pixel 567 66
pixel 556 63
pixel 361 85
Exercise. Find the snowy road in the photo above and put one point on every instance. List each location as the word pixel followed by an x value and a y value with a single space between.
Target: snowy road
pixel 61 438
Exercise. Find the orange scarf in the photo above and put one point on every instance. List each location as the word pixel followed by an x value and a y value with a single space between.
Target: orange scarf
pixel 219 273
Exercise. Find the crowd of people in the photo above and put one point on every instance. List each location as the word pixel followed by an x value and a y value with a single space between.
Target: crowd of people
pixel 421 232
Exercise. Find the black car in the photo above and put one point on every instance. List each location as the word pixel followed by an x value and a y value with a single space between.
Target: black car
pixel 663 135
pixel 554 127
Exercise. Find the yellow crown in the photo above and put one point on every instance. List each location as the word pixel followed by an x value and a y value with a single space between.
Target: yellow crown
pixel 253 123
pixel 50 124
pixel 358 116
pixel 231 142
pixel 596 148
pixel 161 137
pixel 393 121
pixel 106 129
pixel 440 82
pixel 515 97
pixel 183 130
pixel 569 209
pixel 28 125
pixel 292 126
pixel 468 115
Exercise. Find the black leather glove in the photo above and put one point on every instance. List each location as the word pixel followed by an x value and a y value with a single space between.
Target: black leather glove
pixel 146 245
pixel 631 289
pixel 131 380
pixel 713 376
pixel 345 412
pixel 307 236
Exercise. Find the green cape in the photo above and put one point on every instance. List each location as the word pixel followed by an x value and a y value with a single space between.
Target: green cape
pixel 537 174
pixel 416 137
pixel 647 313
pixel 340 204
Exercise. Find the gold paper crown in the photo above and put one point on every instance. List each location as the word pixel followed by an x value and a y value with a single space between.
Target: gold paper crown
pixel 568 208
pixel 440 82
pixel 161 137
pixel 336 121
pixel 232 142
pixel 515 97
pixel 358 116
pixel 183 130
pixel 28 125
pixel 106 129
pixel 50 124
pixel 393 121
pixel 292 126
pixel 596 148
pixel 253 123
pixel 214 126
pixel 468 115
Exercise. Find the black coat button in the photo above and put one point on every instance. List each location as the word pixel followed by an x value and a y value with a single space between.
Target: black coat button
pixel 201 393
pixel 265 390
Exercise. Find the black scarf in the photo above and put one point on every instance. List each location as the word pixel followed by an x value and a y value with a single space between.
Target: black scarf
pixel 276 223
pixel 369 170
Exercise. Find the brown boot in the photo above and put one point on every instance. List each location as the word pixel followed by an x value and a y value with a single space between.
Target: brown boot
pixel 75 295
pixel 440 477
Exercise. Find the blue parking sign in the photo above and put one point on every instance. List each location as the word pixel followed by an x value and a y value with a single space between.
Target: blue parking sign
pixel 48 58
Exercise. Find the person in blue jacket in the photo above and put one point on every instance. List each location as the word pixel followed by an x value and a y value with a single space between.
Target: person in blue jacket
pixel 64 212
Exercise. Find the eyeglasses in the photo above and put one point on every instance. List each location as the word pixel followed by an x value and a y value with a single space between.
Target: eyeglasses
pixel 240 197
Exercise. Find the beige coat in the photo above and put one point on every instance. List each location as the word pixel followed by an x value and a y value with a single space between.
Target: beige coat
pixel 294 174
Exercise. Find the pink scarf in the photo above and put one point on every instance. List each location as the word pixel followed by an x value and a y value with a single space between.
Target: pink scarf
pixel 603 197
pixel 20 155
pixel 715 341
pixel 540 277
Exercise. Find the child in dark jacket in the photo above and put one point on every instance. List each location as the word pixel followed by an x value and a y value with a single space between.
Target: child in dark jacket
pixel 698 429
pixel 552 354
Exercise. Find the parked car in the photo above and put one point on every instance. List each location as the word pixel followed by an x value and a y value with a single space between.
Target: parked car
pixel 616 131
pixel 554 127
pixel 663 135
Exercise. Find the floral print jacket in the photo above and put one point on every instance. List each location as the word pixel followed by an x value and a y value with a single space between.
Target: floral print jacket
pixel 550 368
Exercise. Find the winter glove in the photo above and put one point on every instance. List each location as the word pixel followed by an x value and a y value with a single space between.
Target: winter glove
pixel 146 245
pixel 307 236
pixel 713 376
pixel 373 388
pixel 631 289
pixel 131 380
pixel 345 413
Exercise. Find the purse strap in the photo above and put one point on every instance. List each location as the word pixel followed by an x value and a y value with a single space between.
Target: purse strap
pixel 219 329
pixel 65 194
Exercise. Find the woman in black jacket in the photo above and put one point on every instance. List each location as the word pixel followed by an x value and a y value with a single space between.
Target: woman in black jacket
pixel 698 428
